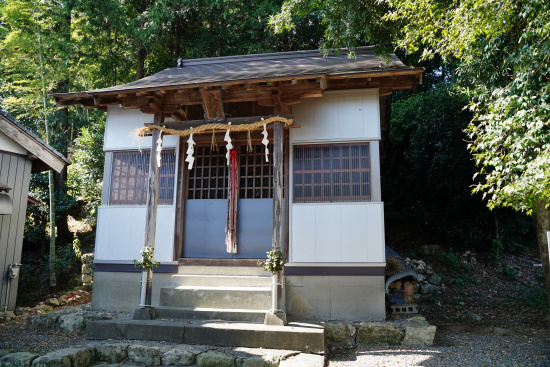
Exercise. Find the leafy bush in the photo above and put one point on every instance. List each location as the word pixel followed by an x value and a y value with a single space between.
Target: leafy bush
pixel 427 178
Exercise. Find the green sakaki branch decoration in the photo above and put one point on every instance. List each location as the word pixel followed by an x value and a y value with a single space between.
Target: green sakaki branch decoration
pixel 274 261
pixel 146 262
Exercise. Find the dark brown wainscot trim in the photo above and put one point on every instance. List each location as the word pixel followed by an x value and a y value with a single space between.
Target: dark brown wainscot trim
pixel 335 270
pixel 130 268
pixel 219 262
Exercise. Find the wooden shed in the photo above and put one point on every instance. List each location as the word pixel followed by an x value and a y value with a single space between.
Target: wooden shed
pixel 21 153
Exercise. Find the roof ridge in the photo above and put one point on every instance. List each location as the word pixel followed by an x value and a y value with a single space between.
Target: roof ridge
pixel 270 55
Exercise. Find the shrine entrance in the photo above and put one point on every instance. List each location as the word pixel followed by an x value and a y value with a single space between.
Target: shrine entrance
pixel 206 203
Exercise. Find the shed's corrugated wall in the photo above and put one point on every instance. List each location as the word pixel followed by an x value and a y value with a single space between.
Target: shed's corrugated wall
pixel 15 171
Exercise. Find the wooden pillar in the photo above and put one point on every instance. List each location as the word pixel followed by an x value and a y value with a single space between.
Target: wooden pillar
pixel 277 186
pixel 151 207
pixel 276 316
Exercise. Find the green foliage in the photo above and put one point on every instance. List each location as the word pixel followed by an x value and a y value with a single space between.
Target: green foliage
pixel 146 262
pixel 428 174
pixel 510 273
pixel 77 247
pixel 347 24
pixel 454 269
pixel 86 171
pixel 534 296
pixel 274 261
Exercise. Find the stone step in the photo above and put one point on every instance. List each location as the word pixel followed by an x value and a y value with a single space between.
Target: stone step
pixel 301 337
pixel 221 270
pixel 255 298
pixel 193 313
pixel 200 280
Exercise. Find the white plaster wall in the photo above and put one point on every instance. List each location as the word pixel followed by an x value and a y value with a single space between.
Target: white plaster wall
pixel 119 126
pixel 339 115
pixel 121 231
pixel 337 232
pixel 7 144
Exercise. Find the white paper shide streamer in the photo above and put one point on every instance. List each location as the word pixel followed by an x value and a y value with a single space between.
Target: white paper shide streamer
pixel 159 148
pixel 265 142
pixel 190 150
pixel 229 146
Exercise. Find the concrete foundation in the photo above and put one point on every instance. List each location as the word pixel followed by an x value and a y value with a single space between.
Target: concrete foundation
pixel 119 291
pixel 336 297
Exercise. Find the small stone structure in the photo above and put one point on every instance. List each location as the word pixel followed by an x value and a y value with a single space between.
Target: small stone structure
pixel 87 269
pixel 413 332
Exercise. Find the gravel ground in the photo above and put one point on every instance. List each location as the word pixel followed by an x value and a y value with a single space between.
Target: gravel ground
pixel 457 349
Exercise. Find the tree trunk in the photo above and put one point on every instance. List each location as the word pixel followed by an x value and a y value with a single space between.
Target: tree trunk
pixel 140 67
pixel 542 219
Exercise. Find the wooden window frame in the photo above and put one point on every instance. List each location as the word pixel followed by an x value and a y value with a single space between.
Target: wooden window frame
pixel 252 185
pixel 129 172
pixel 320 175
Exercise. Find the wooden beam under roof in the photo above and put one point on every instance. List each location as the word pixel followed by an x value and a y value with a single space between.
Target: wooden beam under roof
pixel 290 92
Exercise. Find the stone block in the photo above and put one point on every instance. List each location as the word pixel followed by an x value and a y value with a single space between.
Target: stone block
pixel 86 278
pixel 4 352
pixel 112 353
pixel 213 358
pixel 181 355
pixel 19 359
pixel 275 318
pixel 53 302
pixel 435 279
pixel 340 335
pixel 378 333
pixel 428 289
pixel 419 333
pixel 43 321
pixel 150 356
pixel 69 357
pixel 76 322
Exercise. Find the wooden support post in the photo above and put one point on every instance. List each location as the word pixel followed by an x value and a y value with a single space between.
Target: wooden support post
pixel 276 316
pixel 277 186
pixel 151 207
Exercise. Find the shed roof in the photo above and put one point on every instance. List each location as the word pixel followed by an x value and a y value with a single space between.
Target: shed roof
pixel 45 156
pixel 259 67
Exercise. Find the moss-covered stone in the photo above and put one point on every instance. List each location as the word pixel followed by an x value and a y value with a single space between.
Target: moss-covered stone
pixel 339 335
pixel 215 359
pixel 378 333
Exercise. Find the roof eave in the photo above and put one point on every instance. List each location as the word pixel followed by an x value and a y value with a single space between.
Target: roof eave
pixel 354 74
pixel 50 157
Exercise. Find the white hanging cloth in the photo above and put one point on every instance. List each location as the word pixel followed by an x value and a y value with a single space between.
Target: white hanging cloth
pixel 190 151
pixel 159 149
pixel 229 146
pixel 265 142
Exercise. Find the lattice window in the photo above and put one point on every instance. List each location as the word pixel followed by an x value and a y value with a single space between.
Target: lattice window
pixel 332 172
pixel 256 175
pixel 130 170
pixel 208 178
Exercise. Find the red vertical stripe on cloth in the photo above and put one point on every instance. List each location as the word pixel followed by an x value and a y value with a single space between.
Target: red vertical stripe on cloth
pixel 231 227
